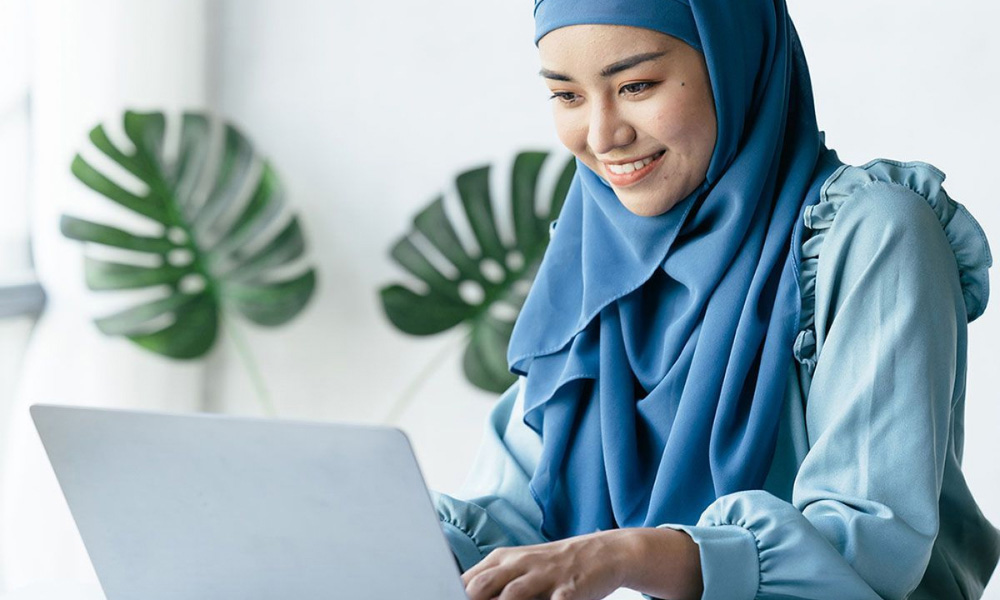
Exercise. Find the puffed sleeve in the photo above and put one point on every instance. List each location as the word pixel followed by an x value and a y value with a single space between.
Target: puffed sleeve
pixel 890 337
pixel 494 507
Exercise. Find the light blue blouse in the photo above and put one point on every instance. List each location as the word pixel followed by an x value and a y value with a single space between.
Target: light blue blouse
pixel 865 497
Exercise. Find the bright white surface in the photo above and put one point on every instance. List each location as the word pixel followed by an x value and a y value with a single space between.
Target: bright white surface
pixel 14 166
pixel 14 156
pixel 88 61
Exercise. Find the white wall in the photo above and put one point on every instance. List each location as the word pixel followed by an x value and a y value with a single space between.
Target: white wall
pixel 368 109
pixel 87 63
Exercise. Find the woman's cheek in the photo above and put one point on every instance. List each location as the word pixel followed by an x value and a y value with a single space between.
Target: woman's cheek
pixel 685 123
pixel 673 124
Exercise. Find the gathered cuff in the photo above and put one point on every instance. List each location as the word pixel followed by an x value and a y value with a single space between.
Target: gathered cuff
pixel 462 545
pixel 470 529
pixel 965 236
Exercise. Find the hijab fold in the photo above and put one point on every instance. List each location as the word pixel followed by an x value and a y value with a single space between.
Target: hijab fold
pixel 656 349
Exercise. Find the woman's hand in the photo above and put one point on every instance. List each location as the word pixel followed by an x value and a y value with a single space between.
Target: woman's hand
pixel 661 562
pixel 584 567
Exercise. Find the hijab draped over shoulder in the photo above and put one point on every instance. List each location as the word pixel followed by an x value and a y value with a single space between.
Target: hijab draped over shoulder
pixel 656 349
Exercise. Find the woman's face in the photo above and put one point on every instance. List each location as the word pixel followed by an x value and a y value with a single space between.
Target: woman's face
pixel 634 105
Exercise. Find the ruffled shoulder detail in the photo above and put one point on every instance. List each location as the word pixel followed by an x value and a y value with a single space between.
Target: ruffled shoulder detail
pixel 965 236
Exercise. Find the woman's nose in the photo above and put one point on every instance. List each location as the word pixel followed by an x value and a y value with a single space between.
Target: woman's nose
pixel 608 130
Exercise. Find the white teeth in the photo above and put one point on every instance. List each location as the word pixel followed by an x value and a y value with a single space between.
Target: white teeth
pixel 630 167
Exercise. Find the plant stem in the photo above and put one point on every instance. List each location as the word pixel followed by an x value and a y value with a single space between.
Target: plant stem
pixel 246 357
pixel 404 400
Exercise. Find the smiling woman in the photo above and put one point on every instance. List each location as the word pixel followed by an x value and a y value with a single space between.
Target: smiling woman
pixel 644 122
pixel 728 383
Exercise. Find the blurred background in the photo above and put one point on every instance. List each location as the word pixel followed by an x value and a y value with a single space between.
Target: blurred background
pixel 367 112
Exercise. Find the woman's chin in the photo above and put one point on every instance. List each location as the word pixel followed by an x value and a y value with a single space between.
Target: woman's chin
pixel 644 206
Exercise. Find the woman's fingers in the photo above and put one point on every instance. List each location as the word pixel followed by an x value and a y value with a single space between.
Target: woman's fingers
pixel 572 569
pixel 490 582
pixel 526 587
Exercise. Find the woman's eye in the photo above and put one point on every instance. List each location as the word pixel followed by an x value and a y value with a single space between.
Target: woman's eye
pixel 631 89
pixel 564 97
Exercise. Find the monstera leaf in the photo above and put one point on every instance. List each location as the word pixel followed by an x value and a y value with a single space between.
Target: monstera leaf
pixel 224 239
pixel 483 288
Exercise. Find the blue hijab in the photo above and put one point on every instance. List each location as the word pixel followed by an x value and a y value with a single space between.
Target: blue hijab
pixel 656 349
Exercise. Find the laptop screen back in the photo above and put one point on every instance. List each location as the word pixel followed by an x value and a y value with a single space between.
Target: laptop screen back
pixel 218 507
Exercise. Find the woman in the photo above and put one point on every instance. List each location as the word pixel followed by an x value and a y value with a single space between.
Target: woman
pixel 742 363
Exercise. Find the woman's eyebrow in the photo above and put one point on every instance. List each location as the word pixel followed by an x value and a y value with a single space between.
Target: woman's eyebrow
pixel 628 63
pixel 612 69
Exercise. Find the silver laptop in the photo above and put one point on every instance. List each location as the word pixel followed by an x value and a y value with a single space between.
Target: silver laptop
pixel 219 507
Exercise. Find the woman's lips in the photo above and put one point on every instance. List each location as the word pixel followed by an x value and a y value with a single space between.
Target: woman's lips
pixel 627 179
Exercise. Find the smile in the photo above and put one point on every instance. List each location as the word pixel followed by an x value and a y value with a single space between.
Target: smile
pixel 631 172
